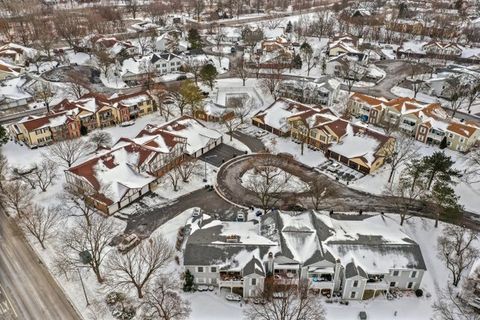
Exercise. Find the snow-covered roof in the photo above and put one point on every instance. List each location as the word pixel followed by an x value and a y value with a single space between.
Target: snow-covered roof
pixel 198 136
pixel 277 113
pixel 358 145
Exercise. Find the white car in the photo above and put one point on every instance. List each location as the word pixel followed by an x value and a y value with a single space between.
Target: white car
pixel 128 242
pixel 196 212
pixel 240 217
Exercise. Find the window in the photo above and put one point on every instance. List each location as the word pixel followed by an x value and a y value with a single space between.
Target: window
pixel 410 285
pixel 413 274
pixel 396 273
pixel 422 130
pixel 393 284
pixel 199 269
pixel 213 269
pixel 353 295
pixel 355 283
pixel 254 282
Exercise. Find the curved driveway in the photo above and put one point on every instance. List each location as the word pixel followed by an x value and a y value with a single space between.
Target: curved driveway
pixel 343 198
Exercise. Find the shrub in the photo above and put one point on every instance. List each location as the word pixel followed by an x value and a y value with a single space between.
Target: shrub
pixel 419 292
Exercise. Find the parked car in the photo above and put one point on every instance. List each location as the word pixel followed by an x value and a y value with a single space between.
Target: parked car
pixel 240 217
pixel 233 297
pixel 196 212
pixel 362 315
pixel 127 123
pixel 128 242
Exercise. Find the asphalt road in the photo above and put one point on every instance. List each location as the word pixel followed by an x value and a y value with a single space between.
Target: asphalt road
pixel 145 222
pixel 27 290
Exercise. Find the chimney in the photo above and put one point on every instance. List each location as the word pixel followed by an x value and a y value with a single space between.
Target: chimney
pixel 270 263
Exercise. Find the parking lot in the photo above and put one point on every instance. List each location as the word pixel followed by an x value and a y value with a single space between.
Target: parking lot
pixel 339 171
pixel 220 154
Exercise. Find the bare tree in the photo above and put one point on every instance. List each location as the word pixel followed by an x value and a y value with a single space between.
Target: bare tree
pixel 164 302
pixel 452 306
pixel 140 265
pixel 66 152
pixel 16 197
pixel 457 92
pixel 104 60
pixel 69 26
pixel 187 167
pixel 45 174
pixel 231 124
pixel 286 302
pixel 100 139
pixel 271 81
pixel 319 191
pixel 267 182
pixel 93 238
pixel 4 168
pixel 472 173
pixel 40 222
pixel 78 85
pixel 75 203
pixel 133 7
pixel 473 93
pixel 404 150
pixel 404 195
pixel 193 66
pixel 242 106
pixel 174 175
pixel 240 69
pixel 456 247
pixel 351 72
pixel 44 92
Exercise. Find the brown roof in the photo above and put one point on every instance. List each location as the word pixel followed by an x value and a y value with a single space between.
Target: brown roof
pixel 462 129
pixel 368 99
pixel 35 123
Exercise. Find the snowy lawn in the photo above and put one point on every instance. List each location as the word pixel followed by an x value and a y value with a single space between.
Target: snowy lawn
pixel 377 182
pixel 286 182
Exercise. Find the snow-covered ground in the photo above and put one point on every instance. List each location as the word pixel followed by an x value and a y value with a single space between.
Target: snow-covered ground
pixel 285 181
pixel 377 182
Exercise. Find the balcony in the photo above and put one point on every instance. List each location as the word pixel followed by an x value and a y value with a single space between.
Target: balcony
pixel 377 285
pixel 230 283
pixel 316 284
pixel 284 277
pixel 230 279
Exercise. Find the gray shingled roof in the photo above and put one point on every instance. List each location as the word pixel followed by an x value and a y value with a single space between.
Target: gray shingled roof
pixel 253 266
pixel 351 270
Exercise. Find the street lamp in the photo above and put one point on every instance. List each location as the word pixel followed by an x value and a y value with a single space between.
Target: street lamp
pixel 83 286
pixel 205 161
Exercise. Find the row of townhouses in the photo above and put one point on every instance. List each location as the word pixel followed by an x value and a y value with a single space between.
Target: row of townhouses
pixel 354 145
pixel 323 91
pixel 112 178
pixel 354 258
pixel 428 123
pixel 71 119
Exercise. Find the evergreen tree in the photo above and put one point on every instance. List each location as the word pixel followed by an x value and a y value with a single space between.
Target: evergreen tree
pixel 209 74
pixel 297 61
pixel 194 39
pixel 438 166
pixel 289 27
pixel 188 284
pixel 3 135
pixel 446 200
pixel 443 144
pixel 83 130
